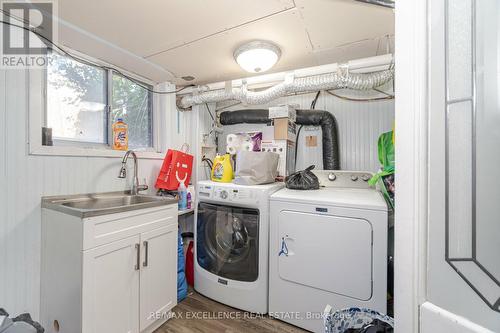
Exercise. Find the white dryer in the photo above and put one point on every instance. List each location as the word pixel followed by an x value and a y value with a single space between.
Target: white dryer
pixel 232 243
pixel 327 246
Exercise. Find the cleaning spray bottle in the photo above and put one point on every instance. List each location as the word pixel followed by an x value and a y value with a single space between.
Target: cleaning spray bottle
pixel 120 135
pixel 182 193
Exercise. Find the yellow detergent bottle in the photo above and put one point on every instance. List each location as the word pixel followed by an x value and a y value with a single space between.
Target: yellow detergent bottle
pixel 120 135
pixel 222 170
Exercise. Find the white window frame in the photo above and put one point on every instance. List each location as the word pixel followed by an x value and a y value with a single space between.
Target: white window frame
pixel 37 101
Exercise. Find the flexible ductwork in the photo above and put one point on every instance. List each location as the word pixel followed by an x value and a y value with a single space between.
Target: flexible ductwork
pixel 337 80
pixel 328 123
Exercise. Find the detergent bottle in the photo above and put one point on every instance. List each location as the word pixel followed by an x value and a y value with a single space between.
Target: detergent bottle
pixel 120 135
pixel 182 192
pixel 222 170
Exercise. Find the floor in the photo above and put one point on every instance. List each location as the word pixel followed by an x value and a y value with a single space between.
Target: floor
pixel 200 314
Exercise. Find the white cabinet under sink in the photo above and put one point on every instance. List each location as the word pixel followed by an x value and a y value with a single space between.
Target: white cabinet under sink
pixel 113 273
pixel 156 278
pixel 110 288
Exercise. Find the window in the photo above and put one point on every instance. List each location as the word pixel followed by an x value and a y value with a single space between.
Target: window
pixel 78 97
pixel 132 103
pixel 76 101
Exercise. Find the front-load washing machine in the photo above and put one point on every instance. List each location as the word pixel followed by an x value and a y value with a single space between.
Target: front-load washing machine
pixel 231 247
pixel 327 247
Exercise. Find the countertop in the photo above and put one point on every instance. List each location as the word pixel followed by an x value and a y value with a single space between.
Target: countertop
pixel 105 203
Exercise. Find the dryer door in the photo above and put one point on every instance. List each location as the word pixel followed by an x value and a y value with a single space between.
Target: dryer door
pixel 227 241
pixel 330 253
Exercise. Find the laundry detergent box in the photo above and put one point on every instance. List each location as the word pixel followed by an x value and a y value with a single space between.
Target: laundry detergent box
pixel 283 111
pixel 286 151
pixel 284 129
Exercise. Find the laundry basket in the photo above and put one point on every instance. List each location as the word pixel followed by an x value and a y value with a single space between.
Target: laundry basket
pixel 356 320
pixel 20 324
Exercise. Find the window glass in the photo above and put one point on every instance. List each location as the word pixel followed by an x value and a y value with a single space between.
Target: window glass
pixel 132 103
pixel 76 100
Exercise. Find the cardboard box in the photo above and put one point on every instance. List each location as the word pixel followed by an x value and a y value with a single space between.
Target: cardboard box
pixel 283 111
pixel 284 129
pixel 286 151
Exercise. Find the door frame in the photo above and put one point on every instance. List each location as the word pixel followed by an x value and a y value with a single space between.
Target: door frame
pixel 411 132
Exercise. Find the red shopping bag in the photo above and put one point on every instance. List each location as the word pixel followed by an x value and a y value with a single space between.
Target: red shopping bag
pixel 177 167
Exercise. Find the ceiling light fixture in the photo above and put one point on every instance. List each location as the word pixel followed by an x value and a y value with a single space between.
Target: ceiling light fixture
pixel 257 56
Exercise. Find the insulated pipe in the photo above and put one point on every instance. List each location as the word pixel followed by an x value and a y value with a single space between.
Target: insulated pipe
pixel 340 79
pixel 328 123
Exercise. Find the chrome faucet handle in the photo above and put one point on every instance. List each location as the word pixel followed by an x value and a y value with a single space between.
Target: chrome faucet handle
pixel 142 188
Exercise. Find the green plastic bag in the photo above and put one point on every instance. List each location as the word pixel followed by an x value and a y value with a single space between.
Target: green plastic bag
pixel 386 156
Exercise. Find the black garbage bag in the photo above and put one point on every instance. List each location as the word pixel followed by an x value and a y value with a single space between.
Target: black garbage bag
pixel 303 180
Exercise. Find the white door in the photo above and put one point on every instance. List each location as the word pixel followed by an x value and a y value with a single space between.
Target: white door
pixel 463 265
pixel 325 235
pixel 110 287
pixel 158 274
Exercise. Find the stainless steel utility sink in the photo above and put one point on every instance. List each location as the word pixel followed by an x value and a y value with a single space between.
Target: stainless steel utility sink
pixel 87 205
pixel 101 203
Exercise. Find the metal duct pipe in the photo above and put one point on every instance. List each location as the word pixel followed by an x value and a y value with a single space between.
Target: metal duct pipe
pixel 337 80
pixel 328 123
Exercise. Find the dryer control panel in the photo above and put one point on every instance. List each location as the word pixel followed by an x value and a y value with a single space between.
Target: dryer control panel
pixel 341 178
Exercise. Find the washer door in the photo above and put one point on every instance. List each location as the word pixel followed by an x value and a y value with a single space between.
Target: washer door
pixel 227 240
pixel 326 252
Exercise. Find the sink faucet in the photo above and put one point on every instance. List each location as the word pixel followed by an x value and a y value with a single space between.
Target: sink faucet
pixel 123 173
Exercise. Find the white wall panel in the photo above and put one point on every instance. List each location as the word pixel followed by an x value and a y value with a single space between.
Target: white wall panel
pixel 359 126
pixel 24 179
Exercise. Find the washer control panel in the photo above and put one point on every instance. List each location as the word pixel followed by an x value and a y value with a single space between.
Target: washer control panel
pixel 341 178
pixel 222 193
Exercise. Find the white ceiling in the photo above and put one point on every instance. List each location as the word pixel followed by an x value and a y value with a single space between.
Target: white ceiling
pixel 198 37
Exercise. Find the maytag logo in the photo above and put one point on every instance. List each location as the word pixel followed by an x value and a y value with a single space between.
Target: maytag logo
pixel 28 30
pixel 222 281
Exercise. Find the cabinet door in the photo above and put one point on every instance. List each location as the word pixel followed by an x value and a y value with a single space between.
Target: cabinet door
pixel 110 287
pixel 158 273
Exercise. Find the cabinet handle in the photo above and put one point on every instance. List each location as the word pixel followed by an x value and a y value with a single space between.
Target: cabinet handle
pixel 146 253
pixel 138 258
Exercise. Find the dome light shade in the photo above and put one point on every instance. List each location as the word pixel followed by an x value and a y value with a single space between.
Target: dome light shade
pixel 257 56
